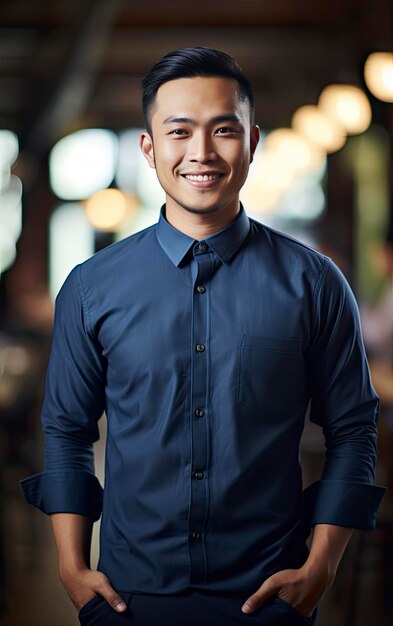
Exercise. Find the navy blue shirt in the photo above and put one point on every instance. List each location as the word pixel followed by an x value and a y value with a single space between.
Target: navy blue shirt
pixel 205 356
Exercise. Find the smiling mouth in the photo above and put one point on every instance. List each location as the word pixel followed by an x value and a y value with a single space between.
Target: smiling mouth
pixel 201 178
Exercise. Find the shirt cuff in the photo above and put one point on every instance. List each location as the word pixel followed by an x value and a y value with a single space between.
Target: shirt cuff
pixel 343 503
pixel 65 491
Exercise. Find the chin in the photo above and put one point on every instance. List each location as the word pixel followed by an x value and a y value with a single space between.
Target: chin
pixel 200 209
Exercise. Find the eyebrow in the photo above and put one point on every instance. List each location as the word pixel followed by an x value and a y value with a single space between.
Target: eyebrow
pixel 230 117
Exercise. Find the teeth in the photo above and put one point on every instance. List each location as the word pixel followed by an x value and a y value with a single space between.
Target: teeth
pixel 202 178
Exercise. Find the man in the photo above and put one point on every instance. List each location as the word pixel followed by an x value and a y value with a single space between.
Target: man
pixel 204 337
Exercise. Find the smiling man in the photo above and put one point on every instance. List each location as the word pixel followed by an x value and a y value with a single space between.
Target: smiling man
pixel 201 153
pixel 204 338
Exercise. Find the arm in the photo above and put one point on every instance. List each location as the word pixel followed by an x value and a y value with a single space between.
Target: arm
pixel 345 406
pixel 73 539
pixel 74 401
pixel 68 489
pixel 303 588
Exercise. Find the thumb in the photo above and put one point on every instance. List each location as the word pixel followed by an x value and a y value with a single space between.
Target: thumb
pixel 112 597
pixel 264 592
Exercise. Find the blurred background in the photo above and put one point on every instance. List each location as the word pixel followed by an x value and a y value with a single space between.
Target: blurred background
pixel 72 181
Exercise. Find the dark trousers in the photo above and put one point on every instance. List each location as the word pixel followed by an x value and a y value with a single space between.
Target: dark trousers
pixel 191 608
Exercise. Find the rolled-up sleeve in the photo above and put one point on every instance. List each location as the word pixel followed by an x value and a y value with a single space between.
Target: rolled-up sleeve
pixel 345 405
pixel 74 401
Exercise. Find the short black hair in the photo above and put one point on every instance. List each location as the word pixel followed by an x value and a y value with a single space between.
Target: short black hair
pixel 190 63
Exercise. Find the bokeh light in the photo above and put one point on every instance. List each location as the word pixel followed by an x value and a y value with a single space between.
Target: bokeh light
pixel 319 128
pixel 71 241
pixel 107 210
pixel 348 105
pixel 82 163
pixel 293 150
pixel 378 74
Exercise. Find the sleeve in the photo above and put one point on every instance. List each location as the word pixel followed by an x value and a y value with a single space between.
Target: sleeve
pixel 74 401
pixel 345 405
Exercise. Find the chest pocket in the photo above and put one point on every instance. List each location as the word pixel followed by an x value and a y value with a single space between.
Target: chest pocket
pixel 271 374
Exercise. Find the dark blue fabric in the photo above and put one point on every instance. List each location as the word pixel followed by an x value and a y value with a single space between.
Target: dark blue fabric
pixel 192 608
pixel 205 356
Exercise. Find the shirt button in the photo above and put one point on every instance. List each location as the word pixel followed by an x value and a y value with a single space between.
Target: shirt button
pixel 198 475
pixel 199 412
pixel 202 247
pixel 201 289
pixel 196 536
pixel 200 348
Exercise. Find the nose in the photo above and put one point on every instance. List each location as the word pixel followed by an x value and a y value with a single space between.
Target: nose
pixel 201 147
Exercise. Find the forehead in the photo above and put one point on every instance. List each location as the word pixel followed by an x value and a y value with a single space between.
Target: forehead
pixel 199 97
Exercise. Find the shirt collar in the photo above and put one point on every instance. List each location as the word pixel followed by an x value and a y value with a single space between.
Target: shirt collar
pixel 224 243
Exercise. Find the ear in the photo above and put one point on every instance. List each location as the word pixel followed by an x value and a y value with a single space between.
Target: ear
pixel 254 139
pixel 147 147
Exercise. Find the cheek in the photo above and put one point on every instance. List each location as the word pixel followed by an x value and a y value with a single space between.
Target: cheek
pixel 236 152
pixel 240 160
pixel 240 168
pixel 168 154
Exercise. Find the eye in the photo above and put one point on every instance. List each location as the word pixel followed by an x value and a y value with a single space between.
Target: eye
pixel 178 132
pixel 226 130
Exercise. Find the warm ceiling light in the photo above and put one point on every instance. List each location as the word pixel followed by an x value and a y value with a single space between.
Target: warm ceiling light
pixel 108 209
pixel 313 124
pixel 348 105
pixel 260 197
pixel 293 150
pixel 378 74
pixel 268 167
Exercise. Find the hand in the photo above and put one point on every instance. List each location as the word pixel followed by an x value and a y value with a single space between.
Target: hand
pixel 82 585
pixel 302 588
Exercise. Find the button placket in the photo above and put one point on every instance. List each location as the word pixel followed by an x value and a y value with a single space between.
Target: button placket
pixel 200 385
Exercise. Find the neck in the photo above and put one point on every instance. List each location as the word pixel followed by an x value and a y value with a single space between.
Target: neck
pixel 200 225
